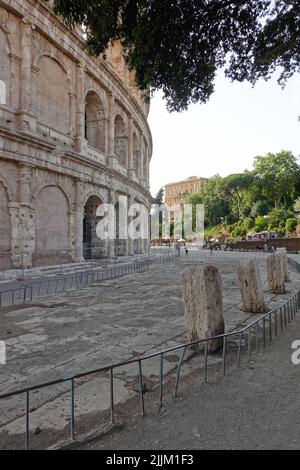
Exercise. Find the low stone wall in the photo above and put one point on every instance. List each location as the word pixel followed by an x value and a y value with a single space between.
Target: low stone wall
pixel 291 244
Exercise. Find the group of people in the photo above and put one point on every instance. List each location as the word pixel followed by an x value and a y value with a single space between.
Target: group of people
pixel 178 248
pixel 266 248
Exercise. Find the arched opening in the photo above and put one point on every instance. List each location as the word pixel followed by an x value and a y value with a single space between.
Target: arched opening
pixel 52 94
pixel 93 247
pixel 136 154
pixel 52 227
pixel 121 141
pixel 95 121
pixel 5 230
pixel 120 241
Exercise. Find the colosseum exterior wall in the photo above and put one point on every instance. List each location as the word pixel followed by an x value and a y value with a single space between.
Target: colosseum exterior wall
pixel 73 134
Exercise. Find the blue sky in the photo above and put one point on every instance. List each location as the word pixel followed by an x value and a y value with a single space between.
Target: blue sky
pixel 224 135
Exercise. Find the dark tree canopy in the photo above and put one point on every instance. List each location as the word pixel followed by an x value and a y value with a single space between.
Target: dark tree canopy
pixel 178 45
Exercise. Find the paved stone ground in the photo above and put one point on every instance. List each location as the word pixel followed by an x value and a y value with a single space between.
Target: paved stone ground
pixel 254 407
pixel 102 324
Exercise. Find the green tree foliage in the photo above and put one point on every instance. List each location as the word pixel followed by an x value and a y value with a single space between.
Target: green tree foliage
pixel 277 217
pixel 260 208
pixel 277 45
pixel 297 205
pixel 248 224
pixel 215 205
pixel 156 214
pixel 159 198
pixel 236 189
pixel 178 45
pixel 261 224
pixel 277 176
pixel 263 199
pixel 291 224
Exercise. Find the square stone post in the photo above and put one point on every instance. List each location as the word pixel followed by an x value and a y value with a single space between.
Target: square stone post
pixel 80 110
pixel 275 274
pixel 79 223
pixel 203 304
pixel 27 121
pixel 251 288
pixel 131 170
pixel 283 254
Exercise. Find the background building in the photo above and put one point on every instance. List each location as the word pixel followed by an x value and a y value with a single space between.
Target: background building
pixel 73 134
pixel 177 193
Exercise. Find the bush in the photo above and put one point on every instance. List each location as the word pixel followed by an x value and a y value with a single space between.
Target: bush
pixel 280 231
pixel 291 224
pixel 261 223
pixel 248 224
pixel 238 232
pixel 260 208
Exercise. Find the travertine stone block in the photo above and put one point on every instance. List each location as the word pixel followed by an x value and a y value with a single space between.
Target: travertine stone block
pixel 275 274
pixel 203 301
pixel 283 253
pixel 251 287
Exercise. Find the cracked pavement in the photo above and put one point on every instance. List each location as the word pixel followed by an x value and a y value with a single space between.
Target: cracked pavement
pixel 105 323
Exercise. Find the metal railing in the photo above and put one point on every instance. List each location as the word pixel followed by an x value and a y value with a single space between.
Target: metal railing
pixel 78 280
pixel 201 255
pixel 248 339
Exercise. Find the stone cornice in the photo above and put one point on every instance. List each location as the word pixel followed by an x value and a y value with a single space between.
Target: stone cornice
pixel 31 141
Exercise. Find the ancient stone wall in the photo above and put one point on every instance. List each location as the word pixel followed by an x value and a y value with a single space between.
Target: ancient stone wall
pixel 60 140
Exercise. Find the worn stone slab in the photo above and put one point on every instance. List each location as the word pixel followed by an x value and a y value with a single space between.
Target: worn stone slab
pixel 251 287
pixel 275 274
pixel 203 303
pixel 283 254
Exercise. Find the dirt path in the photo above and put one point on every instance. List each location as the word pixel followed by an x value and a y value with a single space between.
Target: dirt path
pixel 255 407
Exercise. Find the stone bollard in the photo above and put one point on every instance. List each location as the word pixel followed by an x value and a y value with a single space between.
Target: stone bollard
pixel 203 303
pixel 251 288
pixel 282 252
pixel 275 274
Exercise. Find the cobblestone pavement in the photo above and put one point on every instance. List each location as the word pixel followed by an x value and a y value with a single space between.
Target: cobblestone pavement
pixel 102 324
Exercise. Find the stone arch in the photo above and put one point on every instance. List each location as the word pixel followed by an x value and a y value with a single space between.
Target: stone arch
pixel 50 183
pixel 93 247
pixel 98 192
pixel 95 121
pixel 5 228
pixel 121 140
pixel 121 226
pixel 5 68
pixel 101 93
pixel 51 55
pixel 136 153
pixel 53 93
pixel 4 182
pixel 52 229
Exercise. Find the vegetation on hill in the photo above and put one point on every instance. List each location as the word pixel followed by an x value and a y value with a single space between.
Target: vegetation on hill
pixel 266 198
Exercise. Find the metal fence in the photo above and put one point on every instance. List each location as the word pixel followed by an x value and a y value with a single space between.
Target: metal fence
pixel 205 255
pixel 35 289
pixel 241 343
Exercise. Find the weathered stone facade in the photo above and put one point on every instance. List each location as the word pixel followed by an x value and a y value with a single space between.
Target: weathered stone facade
pixel 177 193
pixel 73 134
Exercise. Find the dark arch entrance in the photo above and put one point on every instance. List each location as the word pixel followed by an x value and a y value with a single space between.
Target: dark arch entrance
pixel 93 247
